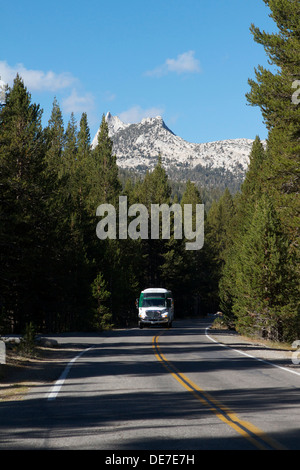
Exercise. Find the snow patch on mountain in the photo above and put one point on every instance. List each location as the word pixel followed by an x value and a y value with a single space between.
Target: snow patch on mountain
pixel 138 145
pixel 114 125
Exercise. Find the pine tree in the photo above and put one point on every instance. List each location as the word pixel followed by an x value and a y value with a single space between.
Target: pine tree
pixel 241 213
pixel 23 209
pixel 105 180
pixel 264 280
pixel 56 138
pixel 103 317
pixel 154 189
pixel 193 266
pixel 84 139
pixel 70 148
pixel 220 221
pixel 105 187
pixel 220 226
pixel 79 150
pixel 253 186
pixel 273 92
pixel 122 267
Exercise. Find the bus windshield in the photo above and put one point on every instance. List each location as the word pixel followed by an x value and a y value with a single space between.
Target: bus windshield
pixel 154 302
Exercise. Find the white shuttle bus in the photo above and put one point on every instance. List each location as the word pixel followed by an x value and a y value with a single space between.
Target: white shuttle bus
pixel 156 307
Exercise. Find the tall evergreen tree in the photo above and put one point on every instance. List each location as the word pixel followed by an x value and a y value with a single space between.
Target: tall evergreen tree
pixel 253 186
pixel 70 148
pixel 220 222
pixel 56 138
pixel 106 184
pixel 219 231
pixel 105 187
pixel 273 92
pixel 154 189
pixel 193 271
pixel 84 139
pixel 24 191
pixel 83 163
pixel 241 210
pixel 264 279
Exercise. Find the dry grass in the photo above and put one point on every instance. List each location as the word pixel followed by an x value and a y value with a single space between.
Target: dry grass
pixel 22 371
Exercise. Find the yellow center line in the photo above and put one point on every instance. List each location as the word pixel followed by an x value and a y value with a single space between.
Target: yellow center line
pixel 252 433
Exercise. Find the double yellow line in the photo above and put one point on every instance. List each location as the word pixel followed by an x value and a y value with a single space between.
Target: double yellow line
pixel 253 434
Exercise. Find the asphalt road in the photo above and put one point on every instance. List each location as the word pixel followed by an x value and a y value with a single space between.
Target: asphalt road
pixel 157 389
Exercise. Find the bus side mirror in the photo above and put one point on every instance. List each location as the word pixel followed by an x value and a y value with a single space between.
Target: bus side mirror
pixel 137 303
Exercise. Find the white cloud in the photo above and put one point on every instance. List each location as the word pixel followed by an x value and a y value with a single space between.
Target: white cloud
pixel 36 80
pixel 108 96
pixel 136 114
pixel 78 104
pixel 184 63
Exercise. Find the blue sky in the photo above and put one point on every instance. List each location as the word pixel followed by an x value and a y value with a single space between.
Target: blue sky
pixel 188 61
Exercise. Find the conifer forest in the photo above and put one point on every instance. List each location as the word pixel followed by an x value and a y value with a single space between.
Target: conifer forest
pixel 58 276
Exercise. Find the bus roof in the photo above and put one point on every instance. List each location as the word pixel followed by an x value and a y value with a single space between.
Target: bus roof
pixel 156 290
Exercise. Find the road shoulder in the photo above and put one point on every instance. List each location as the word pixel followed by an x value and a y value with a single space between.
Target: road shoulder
pixel 279 355
pixel 22 373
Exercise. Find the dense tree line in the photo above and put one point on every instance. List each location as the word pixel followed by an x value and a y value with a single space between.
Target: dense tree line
pixel 54 271
pixel 56 274
pixel 258 252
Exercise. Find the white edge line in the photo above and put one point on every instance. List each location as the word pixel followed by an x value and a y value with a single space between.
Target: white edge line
pixel 249 355
pixel 59 383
